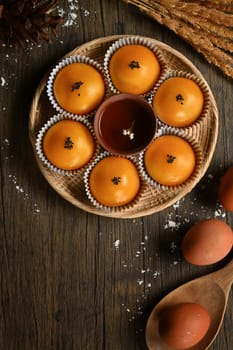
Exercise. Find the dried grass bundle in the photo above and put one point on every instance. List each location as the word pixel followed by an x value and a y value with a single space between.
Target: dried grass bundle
pixel 206 25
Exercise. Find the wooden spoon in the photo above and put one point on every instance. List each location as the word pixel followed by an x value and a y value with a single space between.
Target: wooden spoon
pixel 210 291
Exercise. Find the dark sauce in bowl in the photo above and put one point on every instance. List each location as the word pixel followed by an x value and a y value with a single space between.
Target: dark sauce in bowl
pixel 125 124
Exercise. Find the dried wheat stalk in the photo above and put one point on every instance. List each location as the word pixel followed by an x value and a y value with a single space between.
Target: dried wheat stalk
pixel 206 25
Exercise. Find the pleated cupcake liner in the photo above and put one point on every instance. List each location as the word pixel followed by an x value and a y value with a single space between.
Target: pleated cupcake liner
pixel 133 40
pixel 63 63
pixel 167 130
pixel 40 136
pixel 94 201
pixel 201 84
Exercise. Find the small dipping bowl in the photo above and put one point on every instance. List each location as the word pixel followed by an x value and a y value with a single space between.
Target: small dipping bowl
pixel 125 124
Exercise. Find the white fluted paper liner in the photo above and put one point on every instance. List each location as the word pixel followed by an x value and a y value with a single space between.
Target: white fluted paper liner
pixel 93 200
pixel 202 85
pixel 162 131
pixel 133 40
pixel 39 143
pixel 65 62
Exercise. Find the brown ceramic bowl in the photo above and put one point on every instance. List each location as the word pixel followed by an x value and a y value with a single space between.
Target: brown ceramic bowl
pixel 125 124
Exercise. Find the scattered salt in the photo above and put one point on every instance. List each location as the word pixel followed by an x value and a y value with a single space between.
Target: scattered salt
pixel 18 188
pixel 156 274
pixel 219 211
pixel 36 208
pixel 6 142
pixel 71 14
pixel 117 244
pixel 132 318
pixel 176 205
pixel 86 13
pixel 3 81
pixel 61 12
pixel 71 19
pixel 21 191
pixel 172 247
pixel 5 147
pixel 187 220
pixel 140 282
pixel 171 224
pixel 73 4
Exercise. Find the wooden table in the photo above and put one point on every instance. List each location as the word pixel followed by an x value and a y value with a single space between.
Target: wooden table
pixel 74 280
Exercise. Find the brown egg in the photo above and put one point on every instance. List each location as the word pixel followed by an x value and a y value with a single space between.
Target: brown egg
pixel 207 242
pixel 225 190
pixel 182 326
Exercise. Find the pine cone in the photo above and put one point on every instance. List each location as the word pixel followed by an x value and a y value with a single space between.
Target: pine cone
pixel 27 20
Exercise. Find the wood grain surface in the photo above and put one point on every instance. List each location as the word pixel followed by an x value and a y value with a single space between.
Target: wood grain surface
pixel 75 280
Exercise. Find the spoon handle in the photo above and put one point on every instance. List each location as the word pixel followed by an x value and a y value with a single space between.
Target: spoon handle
pixel 224 276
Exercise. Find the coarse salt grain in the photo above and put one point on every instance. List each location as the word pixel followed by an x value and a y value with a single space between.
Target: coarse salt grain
pixel 172 247
pixel 6 142
pixel 140 282
pixel 156 274
pixel 176 205
pixel 117 244
pixel 71 20
pixel 36 208
pixel 61 12
pixel 71 13
pixel 86 13
pixel 3 82
pixel 171 224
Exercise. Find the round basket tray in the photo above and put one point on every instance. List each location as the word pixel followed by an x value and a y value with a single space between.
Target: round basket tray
pixel 153 199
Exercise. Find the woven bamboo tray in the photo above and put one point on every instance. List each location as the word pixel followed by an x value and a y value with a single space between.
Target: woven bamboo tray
pixel 153 199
